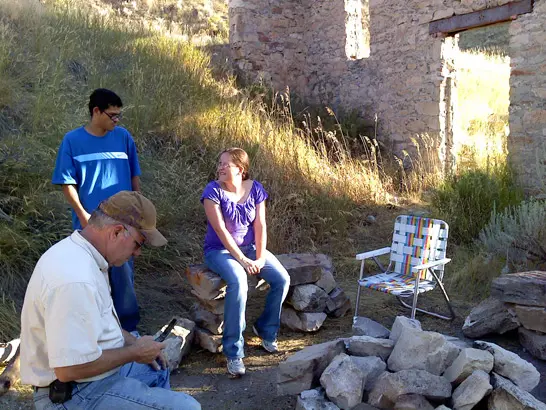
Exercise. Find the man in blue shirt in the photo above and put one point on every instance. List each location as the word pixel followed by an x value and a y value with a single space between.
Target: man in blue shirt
pixel 94 162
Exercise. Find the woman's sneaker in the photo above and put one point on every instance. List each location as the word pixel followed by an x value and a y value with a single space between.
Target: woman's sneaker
pixel 271 347
pixel 236 367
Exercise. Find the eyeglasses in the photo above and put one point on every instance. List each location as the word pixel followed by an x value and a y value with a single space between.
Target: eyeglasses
pixel 138 243
pixel 221 165
pixel 115 116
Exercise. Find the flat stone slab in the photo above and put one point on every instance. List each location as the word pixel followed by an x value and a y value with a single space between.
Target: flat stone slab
pixel 364 326
pixel 534 342
pixel 471 391
pixel 305 268
pixel 205 283
pixel 510 365
pixel 531 317
pixel 370 346
pixel 524 288
pixel 302 321
pixel 490 316
pixel 507 396
pixel 337 300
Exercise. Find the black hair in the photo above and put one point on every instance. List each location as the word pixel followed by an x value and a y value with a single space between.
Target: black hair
pixel 103 98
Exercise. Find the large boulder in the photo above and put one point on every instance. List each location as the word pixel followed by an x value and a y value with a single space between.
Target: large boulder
pixel 390 386
pixel 370 346
pixel 507 396
pixel 308 298
pixel 531 317
pixel 534 342
pixel 510 365
pixel 343 382
pixel 467 362
pixel 471 391
pixel 416 349
pixel 490 316
pixel 372 367
pixel 524 288
pixel 401 323
pixel 364 326
pixel 302 268
pixel 302 321
pixel 302 370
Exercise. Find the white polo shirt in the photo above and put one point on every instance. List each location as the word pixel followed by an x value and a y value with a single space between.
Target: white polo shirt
pixel 68 316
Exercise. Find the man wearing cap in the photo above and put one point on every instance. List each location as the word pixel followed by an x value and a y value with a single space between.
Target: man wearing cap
pixel 73 349
pixel 94 162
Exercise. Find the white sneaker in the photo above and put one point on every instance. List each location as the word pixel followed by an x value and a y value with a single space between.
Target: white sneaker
pixel 236 367
pixel 271 347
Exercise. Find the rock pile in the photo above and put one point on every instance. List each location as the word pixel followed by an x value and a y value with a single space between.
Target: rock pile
pixel 313 296
pixel 407 368
pixel 314 293
pixel 518 301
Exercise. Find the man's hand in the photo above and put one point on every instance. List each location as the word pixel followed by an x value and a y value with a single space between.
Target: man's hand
pixel 260 263
pixel 146 350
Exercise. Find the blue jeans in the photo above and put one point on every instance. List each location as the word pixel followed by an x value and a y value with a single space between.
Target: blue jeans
pixel 236 278
pixel 136 386
pixel 122 282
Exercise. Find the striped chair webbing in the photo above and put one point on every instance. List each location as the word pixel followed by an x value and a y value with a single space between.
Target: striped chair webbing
pixel 415 241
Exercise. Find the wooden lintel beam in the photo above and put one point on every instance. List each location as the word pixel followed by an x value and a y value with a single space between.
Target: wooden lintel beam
pixel 506 12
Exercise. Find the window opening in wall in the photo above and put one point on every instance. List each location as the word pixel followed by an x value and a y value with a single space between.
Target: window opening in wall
pixel 357 29
pixel 482 72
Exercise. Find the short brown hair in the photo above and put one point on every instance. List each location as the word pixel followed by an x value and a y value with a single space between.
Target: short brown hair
pixel 239 158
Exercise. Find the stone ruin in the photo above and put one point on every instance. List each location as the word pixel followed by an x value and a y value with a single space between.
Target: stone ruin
pixel 394 60
pixel 407 368
pixel 313 296
pixel 518 301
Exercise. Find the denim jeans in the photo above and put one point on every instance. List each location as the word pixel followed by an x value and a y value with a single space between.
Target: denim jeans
pixel 136 386
pixel 236 278
pixel 122 282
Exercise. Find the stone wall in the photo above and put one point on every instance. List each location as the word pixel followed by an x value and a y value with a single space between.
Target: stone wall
pixel 526 141
pixel 318 49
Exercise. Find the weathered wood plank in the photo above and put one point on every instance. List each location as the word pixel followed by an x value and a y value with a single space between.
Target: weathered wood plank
pixel 451 25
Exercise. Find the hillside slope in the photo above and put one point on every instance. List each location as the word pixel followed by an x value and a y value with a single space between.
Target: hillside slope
pixel 53 56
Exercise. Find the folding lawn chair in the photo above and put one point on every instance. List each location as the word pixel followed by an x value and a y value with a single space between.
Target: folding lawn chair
pixel 417 260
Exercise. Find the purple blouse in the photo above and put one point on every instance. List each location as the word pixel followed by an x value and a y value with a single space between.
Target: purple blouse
pixel 238 217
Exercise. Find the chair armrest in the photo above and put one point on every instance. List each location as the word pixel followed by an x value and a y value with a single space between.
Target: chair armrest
pixel 430 265
pixel 371 254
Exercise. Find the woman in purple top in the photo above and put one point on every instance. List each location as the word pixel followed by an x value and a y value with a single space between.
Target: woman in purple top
pixel 235 246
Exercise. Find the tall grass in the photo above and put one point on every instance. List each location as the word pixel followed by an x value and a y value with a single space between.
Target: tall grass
pixel 181 118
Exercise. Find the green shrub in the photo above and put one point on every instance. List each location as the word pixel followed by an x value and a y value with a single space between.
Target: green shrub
pixel 466 201
pixel 519 234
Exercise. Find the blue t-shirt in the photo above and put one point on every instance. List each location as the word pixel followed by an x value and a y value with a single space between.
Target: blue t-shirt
pixel 238 217
pixel 99 166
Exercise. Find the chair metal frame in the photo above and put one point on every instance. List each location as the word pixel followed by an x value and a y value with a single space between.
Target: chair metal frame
pixel 433 269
